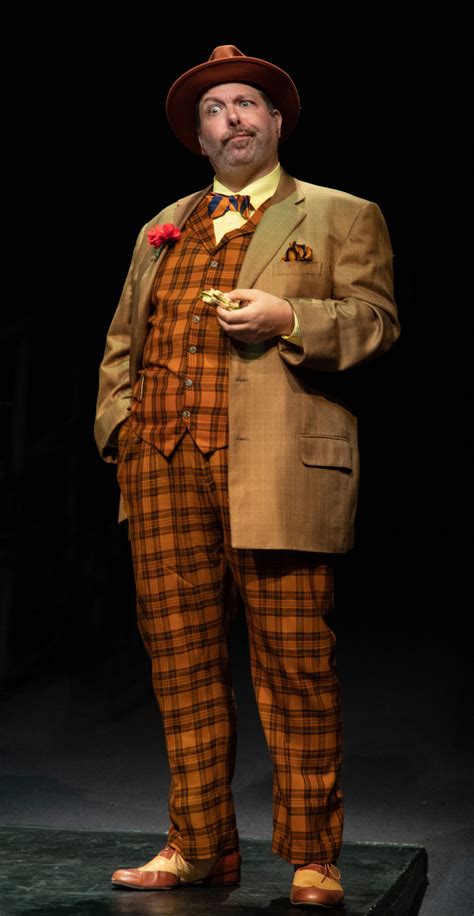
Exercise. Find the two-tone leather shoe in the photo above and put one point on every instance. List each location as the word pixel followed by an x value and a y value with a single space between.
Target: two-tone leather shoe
pixel 170 870
pixel 317 885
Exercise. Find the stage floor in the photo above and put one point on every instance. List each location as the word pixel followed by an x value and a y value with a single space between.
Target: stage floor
pixel 46 871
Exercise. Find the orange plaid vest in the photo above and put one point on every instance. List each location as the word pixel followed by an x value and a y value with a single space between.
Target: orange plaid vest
pixel 183 383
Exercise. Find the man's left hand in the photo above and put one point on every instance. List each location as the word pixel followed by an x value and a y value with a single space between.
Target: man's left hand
pixel 260 316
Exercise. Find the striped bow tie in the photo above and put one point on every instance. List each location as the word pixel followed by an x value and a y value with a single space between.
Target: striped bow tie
pixel 218 204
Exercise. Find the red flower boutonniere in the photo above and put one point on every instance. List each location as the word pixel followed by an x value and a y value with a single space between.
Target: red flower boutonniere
pixel 159 236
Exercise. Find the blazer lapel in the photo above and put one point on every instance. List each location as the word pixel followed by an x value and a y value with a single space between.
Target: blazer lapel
pixel 281 218
pixel 177 214
pixel 278 221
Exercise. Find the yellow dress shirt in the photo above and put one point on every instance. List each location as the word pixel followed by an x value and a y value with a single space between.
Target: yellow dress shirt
pixel 258 191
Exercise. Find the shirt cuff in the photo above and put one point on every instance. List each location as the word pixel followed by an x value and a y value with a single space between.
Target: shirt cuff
pixel 296 335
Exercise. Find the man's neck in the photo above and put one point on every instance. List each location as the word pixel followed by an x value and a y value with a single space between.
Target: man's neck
pixel 236 180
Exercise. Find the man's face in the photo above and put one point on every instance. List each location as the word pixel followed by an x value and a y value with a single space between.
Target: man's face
pixel 237 128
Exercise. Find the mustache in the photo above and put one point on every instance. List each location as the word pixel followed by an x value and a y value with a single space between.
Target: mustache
pixel 246 133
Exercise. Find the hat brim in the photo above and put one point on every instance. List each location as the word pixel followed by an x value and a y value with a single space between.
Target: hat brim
pixel 188 88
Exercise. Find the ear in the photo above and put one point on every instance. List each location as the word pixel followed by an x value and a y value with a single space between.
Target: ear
pixel 278 121
pixel 201 144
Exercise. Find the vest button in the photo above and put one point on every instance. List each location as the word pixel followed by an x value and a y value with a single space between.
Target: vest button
pixel 192 349
pixel 214 263
pixel 195 318
pixel 186 414
pixel 188 382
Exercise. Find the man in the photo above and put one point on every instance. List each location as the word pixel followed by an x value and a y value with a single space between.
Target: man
pixel 235 466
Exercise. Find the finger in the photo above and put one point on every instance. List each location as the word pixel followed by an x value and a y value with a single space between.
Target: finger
pixel 231 317
pixel 245 336
pixel 234 328
pixel 246 294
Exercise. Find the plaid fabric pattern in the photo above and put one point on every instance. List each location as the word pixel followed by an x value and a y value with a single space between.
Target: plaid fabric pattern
pixel 184 380
pixel 179 531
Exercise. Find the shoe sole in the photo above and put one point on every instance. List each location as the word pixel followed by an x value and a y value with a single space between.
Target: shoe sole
pixel 203 882
pixel 324 906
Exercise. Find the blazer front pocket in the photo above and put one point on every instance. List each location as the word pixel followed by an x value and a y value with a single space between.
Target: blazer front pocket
pixel 326 452
pixel 330 477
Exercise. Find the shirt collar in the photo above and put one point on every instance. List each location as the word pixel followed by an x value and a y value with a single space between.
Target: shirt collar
pixel 258 191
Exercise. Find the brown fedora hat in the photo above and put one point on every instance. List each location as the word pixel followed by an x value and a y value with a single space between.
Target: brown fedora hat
pixel 228 65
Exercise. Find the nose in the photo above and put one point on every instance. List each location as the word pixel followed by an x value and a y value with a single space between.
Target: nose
pixel 233 115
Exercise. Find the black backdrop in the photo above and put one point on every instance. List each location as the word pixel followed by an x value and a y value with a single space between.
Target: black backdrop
pixel 90 159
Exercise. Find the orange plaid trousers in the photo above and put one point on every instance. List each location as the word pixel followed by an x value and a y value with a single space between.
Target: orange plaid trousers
pixel 180 539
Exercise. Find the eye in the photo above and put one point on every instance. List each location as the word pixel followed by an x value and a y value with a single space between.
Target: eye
pixel 211 108
pixel 246 102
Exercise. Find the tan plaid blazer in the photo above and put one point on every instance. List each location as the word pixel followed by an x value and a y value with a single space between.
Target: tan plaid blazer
pixel 293 453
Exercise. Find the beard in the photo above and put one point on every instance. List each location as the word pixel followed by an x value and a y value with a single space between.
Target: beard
pixel 231 153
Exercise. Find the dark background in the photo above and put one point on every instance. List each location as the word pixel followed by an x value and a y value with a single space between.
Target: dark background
pixel 88 159
pixel 91 158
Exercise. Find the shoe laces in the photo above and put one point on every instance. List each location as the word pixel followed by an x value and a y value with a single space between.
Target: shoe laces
pixel 329 870
pixel 186 868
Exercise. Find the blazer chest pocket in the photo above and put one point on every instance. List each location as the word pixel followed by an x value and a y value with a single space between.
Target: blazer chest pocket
pixel 299 279
pixel 297 268
pixel 326 452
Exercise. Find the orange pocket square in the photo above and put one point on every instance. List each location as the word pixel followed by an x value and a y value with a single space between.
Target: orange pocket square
pixel 298 251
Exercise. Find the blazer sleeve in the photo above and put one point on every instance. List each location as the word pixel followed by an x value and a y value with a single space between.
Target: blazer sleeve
pixel 115 393
pixel 360 321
